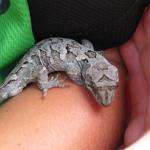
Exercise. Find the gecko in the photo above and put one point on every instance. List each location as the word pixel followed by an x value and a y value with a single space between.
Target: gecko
pixel 81 63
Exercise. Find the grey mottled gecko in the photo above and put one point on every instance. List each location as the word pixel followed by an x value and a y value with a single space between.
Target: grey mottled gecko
pixel 80 62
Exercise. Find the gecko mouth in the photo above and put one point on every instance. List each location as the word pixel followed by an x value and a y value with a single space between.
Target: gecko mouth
pixel 106 95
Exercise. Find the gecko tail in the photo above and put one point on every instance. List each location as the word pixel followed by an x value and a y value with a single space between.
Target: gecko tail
pixel 3 96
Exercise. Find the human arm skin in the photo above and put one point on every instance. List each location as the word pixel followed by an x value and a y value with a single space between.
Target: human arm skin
pixel 67 118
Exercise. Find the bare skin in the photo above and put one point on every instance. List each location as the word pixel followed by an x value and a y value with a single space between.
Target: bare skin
pixel 66 119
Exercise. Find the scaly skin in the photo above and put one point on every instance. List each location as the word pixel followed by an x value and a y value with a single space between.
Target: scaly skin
pixel 80 62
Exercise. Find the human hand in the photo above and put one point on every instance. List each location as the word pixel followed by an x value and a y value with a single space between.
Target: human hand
pixel 136 55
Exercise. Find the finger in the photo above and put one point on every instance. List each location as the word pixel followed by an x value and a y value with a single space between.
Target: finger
pixel 138 92
pixel 139 36
pixel 130 56
pixel 146 51
pixel 146 23
pixel 143 143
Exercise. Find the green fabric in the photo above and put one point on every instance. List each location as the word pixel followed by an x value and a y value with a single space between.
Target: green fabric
pixel 16 35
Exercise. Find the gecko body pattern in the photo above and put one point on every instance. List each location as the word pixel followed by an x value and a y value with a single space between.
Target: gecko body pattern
pixel 80 62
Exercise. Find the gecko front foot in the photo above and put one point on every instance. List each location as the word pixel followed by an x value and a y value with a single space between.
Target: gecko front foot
pixel 54 81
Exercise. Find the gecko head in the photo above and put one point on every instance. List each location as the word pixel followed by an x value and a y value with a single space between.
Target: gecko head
pixel 102 80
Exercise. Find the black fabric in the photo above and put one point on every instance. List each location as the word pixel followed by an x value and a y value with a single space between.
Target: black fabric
pixel 4 5
pixel 107 23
